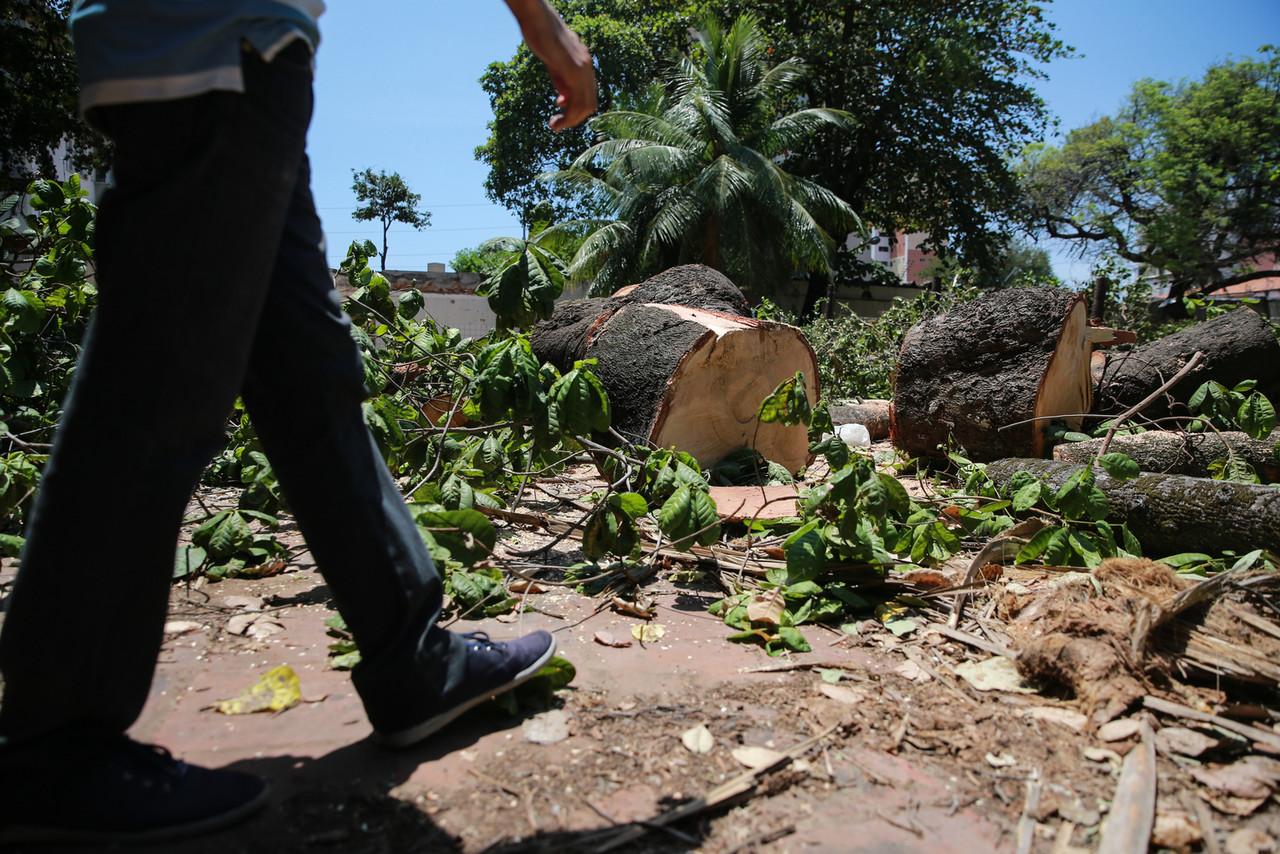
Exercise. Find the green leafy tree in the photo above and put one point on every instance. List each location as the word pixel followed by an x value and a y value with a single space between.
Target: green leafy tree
pixel 694 176
pixel 631 41
pixel 942 90
pixel 386 198
pixel 1184 179
pixel 38 93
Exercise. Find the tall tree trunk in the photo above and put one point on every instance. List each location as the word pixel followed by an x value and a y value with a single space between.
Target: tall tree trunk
pixel 1098 309
pixel 816 290
pixel 386 225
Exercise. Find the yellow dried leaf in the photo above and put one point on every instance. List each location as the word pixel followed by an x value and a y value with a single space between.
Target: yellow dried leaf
pixel 648 632
pixel 277 690
pixel 766 608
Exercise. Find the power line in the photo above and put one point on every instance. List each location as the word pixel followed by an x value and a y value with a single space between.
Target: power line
pixel 428 205
pixel 429 229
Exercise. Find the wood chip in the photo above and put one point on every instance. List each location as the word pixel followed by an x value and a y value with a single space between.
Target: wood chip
pixel 1249 840
pixel 1176 830
pixel 841 694
pixel 1184 742
pixel 609 639
pixel 181 627
pixel 1119 729
pixel 1069 718
pixel 1133 809
pixel 757 757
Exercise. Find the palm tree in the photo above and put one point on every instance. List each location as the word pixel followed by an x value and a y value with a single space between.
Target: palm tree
pixel 696 175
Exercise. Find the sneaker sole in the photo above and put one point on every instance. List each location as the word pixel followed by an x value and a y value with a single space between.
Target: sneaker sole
pixel 62 836
pixel 407 737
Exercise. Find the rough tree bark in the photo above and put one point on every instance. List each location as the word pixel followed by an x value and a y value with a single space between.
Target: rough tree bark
pixel 1167 452
pixel 1237 346
pixel 685 365
pixel 1172 513
pixel 1007 357
pixel 872 414
pixel 562 338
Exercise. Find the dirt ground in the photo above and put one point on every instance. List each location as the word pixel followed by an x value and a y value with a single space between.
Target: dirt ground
pixel 918 760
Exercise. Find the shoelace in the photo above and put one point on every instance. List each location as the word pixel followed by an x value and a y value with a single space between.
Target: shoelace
pixel 481 641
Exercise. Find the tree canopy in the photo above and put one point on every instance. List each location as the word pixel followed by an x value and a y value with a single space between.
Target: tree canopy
pixel 386 198
pixel 39 91
pixel 942 92
pixel 1184 179
pixel 694 175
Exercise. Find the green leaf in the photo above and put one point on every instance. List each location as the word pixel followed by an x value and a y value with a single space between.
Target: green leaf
pixel 1257 416
pixel 788 404
pixel 806 554
pixel 689 517
pixel 793 639
pixel 1120 466
pixel 631 503
pixel 188 560
pixel 467 534
pixel 1036 546
pixel 1027 497
pixel 579 403
pixel 1246 561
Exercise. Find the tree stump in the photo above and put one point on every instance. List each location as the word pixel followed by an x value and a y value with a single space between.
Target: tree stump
pixel 1237 346
pixel 981 373
pixel 1170 514
pixel 690 375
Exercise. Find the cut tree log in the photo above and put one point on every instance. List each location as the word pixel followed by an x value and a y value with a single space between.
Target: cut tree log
pixel 1169 452
pixel 1170 514
pixel 991 374
pixel 562 339
pixel 684 364
pixel 694 379
pixel 872 414
pixel 1237 346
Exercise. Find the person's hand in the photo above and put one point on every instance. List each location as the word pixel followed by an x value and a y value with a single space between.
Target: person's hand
pixel 567 60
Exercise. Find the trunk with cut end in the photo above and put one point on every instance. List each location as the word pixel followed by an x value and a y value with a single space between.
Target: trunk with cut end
pixel 694 379
pixel 1170 514
pixel 684 364
pixel 981 373
pixel 1167 452
pixel 562 338
pixel 872 414
pixel 1237 346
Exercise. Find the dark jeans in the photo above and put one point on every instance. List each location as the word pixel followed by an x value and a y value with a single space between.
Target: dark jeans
pixel 213 283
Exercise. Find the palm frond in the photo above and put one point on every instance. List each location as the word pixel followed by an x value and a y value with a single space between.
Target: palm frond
pixel 795 129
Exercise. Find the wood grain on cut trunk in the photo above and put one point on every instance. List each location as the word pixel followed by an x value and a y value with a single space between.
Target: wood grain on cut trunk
pixel 972 374
pixel 694 379
pixel 1171 514
pixel 872 414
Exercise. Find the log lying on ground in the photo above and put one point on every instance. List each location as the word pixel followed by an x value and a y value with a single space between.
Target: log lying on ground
pixel 1237 346
pixel 1007 357
pixel 1170 514
pixel 872 414
pixel 694 379
pixel 684 364
pixel 1168 452
pixel 563 337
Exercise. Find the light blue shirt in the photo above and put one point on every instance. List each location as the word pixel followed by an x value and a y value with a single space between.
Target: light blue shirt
pixel 157 50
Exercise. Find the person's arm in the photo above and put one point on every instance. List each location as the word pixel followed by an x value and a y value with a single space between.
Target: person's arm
pixel 566 58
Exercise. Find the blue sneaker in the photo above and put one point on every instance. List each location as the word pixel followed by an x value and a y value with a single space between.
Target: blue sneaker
pixel 99 789
pixel 491 668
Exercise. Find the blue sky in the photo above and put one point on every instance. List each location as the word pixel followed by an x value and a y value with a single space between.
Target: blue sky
pixel 397 89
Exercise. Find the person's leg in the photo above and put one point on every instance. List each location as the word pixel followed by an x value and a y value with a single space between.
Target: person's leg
pixel 186 240
pixel 303 390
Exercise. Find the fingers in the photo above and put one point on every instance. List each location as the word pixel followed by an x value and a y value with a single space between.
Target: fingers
pixel 577 99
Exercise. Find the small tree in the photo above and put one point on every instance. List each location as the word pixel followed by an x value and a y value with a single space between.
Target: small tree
pixel 387 199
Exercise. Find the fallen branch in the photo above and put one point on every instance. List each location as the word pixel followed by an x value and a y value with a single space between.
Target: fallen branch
pixel 1155 704
pixel 1191 365
pixel 1128 825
